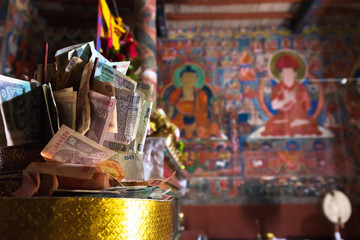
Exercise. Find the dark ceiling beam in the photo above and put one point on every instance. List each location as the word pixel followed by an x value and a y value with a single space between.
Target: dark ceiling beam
pixel 71 15
pixel 227 2
pixel 70 23
pixel 306 11
pixel 228 16
pixel 343 11
pixel 84 2
pixel 120 3
pixel 339 2
pixel 84 21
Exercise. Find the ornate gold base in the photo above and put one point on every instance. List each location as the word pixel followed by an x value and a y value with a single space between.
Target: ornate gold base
pixel 85 218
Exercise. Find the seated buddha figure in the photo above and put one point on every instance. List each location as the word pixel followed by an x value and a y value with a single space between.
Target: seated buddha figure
pixel 189 106
pixel 292 101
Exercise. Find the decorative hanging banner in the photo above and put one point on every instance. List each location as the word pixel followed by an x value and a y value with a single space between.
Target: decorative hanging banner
pixel 109 27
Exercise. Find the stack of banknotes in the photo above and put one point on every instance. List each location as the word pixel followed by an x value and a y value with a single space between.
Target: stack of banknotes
pixel 91 116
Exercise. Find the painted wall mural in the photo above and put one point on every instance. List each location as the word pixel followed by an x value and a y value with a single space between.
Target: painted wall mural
pixel 261 109
pixel 23 31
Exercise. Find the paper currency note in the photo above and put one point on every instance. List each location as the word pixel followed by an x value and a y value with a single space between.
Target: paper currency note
pixel 109 74
pixel 2 133
pixel 64 55
pixel 63 169
pixel 120 66
pixel 72 74
pixel 128 107
pixel 51 108
pixel 69 146
pixel 131 162
pixel 50 72
pixel 72 63
pixel 102 108
pixel 142 128
pixel 69 89
pixel 69 48
pixel 153 160
pixel 66 105
pixel 108 89
pixel 16 111
pixel 82 105
pixel 146 90
pixel 85 54
pixel 38 128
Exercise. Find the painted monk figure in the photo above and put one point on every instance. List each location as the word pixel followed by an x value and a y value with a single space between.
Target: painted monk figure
pixel 292 102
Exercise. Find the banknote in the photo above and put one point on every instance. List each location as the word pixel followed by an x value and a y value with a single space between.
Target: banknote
pixel 153 159
pixel 109 74
pixel 78 46
pixel 120 66
pixel 63 169
pixel 2 132
pixel 51 108
pixel 50 73
pixel 39 128
pixel 83 117
pixel 146 90
pixel 102 108
pixel 73 61
pixel 142 127
pixel 69 146
pixel 62 56
pixel 86 53
pixel 128 107
pixel 69 89
pixel 97 182
pixel 15 105
pixel 108 89
pixel 131 162
pixel 72 74
pixel 66 105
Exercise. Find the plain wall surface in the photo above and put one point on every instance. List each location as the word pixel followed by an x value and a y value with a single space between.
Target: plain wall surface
pixel 238 221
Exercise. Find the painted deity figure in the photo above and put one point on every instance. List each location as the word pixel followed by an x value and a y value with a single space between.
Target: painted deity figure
pixel 245 57
pixel 189 106
pixel 292 101
pixel 299 43
pixel 270 46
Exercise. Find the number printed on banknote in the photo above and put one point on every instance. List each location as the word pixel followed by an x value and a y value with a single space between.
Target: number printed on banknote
pixel 69 146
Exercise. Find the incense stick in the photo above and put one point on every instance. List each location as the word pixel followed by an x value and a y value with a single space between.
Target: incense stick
pixel 45 56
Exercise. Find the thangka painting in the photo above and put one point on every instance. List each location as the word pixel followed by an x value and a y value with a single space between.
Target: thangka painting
pixel 260 109
pixel 20 48
pixel 3 10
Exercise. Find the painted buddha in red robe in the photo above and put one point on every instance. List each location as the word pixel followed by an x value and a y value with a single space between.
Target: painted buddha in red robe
pixel 291 100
